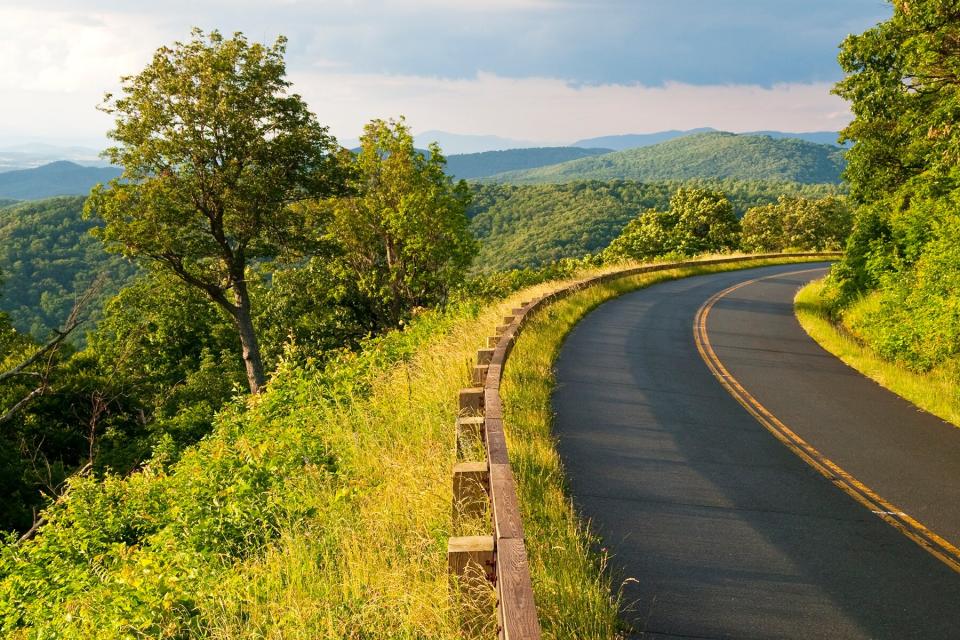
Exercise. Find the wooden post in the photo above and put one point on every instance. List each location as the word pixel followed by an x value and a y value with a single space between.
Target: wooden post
pixel 471 489
pixel 484 356
pixel 480 374
pixel 469 430
pixel 466 552
pixel 471 400
pixel 492 342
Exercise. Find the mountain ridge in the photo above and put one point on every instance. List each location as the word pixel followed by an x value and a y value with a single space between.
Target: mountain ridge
pixel 60 178
pixel 712 155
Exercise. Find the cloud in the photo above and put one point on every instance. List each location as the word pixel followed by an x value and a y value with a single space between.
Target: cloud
pixel 556 111
pixel 552 70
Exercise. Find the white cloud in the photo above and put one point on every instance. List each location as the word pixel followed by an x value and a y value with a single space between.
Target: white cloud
pixel 553 110
pixel 56 63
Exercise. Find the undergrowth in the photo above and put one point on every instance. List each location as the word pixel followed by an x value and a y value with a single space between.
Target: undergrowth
pixel 933 388
pixel 320 509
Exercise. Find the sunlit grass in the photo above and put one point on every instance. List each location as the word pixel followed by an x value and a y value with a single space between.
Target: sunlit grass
pixel 322 508
pixel 935 391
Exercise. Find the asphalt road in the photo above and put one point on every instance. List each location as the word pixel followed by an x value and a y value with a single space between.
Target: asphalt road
pixel 727 532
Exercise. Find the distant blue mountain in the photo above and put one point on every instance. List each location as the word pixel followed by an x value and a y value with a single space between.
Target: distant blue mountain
pixel 60 178
pixel 488 163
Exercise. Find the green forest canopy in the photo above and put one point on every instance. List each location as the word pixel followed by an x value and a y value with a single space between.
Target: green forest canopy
pixel 532 225
pixel 47 257
pixel 706 155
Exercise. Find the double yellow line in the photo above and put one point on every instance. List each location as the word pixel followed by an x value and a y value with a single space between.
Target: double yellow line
pixel 890 513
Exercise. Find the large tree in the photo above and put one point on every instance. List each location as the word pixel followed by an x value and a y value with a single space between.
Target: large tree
pixel 404 235
pixel 215 149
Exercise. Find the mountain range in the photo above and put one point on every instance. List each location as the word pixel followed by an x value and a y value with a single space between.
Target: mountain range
pixel 713 155
pixel 61 178
pixel 678 156
pixel 634 140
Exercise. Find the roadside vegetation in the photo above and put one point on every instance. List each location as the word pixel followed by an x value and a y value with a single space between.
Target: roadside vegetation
pixel 934 390
pixel 897 288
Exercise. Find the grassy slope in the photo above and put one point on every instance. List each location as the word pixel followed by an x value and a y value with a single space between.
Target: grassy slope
pixel 934 391
pixel 705 155
pixel 320 509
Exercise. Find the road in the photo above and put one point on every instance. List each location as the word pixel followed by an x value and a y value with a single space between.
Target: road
pixel 727 531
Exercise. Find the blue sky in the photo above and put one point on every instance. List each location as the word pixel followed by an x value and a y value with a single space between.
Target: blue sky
pixel 548 71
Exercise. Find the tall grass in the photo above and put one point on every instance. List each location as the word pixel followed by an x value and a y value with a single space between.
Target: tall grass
pixel 936 391
pixel 322 508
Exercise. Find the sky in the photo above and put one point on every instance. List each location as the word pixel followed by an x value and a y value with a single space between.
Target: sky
pixel 545 71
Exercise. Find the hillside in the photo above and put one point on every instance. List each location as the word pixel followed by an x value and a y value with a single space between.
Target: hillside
pixel 47 255
pixel 60 178
pixel 488 163
pixel 704 155
pixel 634 140
pixel 531 225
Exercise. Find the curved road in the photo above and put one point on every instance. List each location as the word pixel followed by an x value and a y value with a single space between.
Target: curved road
pixel 728 532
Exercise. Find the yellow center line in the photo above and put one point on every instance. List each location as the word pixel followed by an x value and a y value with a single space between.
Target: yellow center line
pixel 888 512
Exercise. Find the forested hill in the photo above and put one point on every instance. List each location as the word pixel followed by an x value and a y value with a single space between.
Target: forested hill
pixel 531 225
pixel 705 155
pixel 488 163
pixel 55 179
pixel 47 257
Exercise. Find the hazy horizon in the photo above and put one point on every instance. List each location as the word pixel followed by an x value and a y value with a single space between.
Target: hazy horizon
pixel 543 71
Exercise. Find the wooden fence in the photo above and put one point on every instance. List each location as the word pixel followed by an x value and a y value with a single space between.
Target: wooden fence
pixel 502 556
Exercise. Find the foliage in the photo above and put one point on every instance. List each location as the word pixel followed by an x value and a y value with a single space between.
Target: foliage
pixel 904 90
pixel 404 234
pixel 715 155
pixel 214 151
pixel 319 508
pixel 60 178
pixel 796 223
pixel 488 163
pixel 534 225
pixel 935 390
pixel 49 257
pixel 698 221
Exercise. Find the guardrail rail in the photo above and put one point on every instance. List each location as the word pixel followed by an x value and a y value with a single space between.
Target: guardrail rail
pixel 502 556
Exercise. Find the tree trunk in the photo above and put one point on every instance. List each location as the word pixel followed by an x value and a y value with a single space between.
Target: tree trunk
pixel 248 340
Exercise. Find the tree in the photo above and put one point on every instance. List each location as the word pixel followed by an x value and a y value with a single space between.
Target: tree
pixel 647 236
pixel 699 220
pixel 214 150
pixel 762 229
pixel 705 221
pixel 405 234
pixel 795 222
pixel 903 86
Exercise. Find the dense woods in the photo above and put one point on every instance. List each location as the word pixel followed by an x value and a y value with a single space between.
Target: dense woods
pixel 898 286
pixel 531 225
pixel 48 257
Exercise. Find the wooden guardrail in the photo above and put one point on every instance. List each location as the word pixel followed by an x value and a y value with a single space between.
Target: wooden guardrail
pixel 502 556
